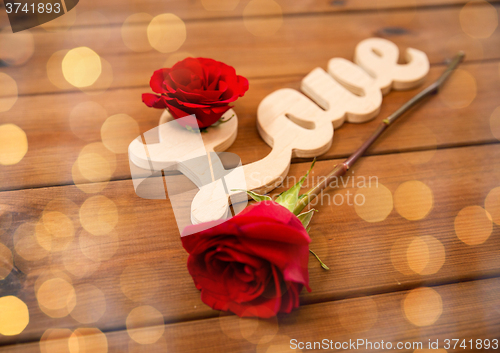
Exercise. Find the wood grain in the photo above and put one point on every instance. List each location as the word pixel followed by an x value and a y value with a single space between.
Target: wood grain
pixel 53 148
pixel 358 252
pixel 372 318
pixel 301 44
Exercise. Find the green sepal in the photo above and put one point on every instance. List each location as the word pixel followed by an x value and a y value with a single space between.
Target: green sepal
pixel 305 217
pixel 255 196
pixel 290 197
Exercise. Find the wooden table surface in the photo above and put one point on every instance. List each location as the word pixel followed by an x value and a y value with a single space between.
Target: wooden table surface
pixel 419 261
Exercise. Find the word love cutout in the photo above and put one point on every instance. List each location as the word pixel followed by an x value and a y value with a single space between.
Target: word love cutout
pixel 302 125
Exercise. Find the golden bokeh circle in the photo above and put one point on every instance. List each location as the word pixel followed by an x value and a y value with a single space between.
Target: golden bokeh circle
pixel 358 315
pixel 55 294
pixel 422 306
pixel 85 119
pixel 54 70
pixel 56 340
pixel 8 92
pixel 460 90
pixel 13 144
pixel 88 340
pixel 134 33
pixel 14 315
pixel 6 261
pixel 98 215
pixel 16 49
pixel 103 82
pixel 95 164
pixel 495 123
pixel 478 19
pixel 139 282
pixel 473 225
pixel 118 131
pixel 99 248
pixel 263 18
pixel 145 317
pixel 81 66
pixel 413 200
pixel 377 204
pixel 26 244
pixel 53 242
pixel 76 263
pixel 424 255
pixel 166 33
pixel 90 304
pixel 492 205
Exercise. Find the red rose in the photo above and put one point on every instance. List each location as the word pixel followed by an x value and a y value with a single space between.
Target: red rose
pixel 203 87
pixel 254 264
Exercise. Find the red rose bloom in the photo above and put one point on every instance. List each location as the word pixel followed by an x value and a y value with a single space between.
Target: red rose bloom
pixel 203 87
pixel 254 264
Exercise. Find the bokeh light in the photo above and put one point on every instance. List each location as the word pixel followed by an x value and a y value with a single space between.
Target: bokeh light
pixel 8 92
pixel 95 164
pixel 90 304
pixel 13 144
pixel 134 33
pixel 85 120
pixel 166 33
pixel 473 225
pixel 424 255
pixel 14 316
pixel 145 324
pixel 423 306
pixel 263 18
pixel 478 19
pixel 16 49
pixel 54 70
pixel 99 248
pixel 139 282
pixel 76 263
pixel 6 261
pixel 88 340
pixel 460 90
pixel 118 131
pixel 26 244
pixel 98 215
pixel 358 315
pixel 413 200
pixel 55 340
pixel 103 82
pixel 495 123
pixel 492 205
pixel 81 67
pixel 377 204
pixel 56 294
pixel 62 235
pixel 220 5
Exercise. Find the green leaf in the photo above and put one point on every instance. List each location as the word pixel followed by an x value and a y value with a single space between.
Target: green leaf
pixel 305 217
pixel 289 198
pixel 255 196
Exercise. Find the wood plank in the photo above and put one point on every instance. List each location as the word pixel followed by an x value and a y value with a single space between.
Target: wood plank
pixel 372 318
pixel 54 149
pixel 301 44
pixel 365 258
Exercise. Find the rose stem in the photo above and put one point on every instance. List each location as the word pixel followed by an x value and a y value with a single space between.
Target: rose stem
pixel 342 168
